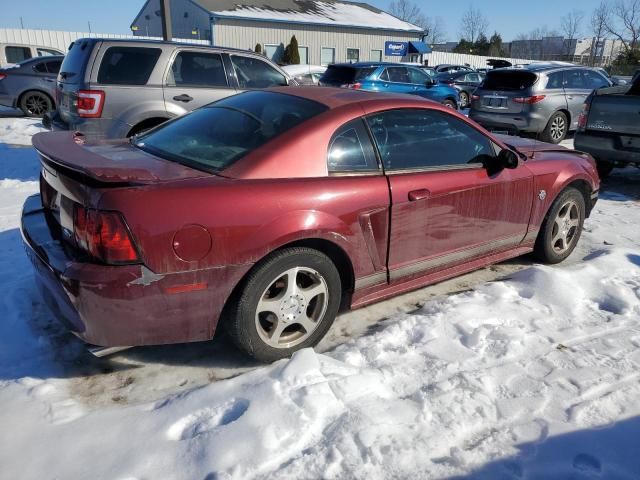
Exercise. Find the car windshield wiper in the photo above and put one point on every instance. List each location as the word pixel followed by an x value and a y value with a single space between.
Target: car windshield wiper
pixel 520 154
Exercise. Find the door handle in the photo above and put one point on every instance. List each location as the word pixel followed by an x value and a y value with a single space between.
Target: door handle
pixel 415 195
pixel 183 98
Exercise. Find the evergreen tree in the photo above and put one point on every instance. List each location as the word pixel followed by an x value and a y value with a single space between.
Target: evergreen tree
pixel 258 48
pixel 291 54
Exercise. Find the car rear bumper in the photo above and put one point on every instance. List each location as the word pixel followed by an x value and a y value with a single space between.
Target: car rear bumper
pixel 123 305
pixel 605 147
pixel 513 123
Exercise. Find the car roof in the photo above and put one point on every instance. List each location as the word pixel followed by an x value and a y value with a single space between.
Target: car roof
pixel 372 64
pixel 163 42
pixel 334 97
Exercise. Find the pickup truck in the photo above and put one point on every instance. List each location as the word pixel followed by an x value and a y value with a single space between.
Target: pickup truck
pixel 609 127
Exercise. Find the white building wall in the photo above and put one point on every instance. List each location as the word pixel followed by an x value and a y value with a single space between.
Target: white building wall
pixel 476 61
pixel 245 34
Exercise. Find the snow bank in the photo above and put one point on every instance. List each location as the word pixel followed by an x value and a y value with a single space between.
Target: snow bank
pixel 19 131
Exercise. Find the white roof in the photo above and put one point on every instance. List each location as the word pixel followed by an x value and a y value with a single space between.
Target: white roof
pixel 322 12
pixel 294 70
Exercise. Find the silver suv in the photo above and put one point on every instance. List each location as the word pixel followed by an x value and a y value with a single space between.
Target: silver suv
pixel 117 88
pixel 545 99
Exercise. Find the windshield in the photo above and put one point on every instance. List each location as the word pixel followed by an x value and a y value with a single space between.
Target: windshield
pixel 215 136
pixel 509 80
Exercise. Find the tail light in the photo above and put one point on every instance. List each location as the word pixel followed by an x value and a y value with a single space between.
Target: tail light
pixel 530 100
pixel 584 115
pixel 475 97
pixel 355 86
pixel 104 236
pixel 89 103
pixel 3 76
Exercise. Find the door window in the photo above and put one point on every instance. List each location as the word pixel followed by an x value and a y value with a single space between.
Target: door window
pixel 417 76
pixel 595 80
pixel 353 55
pixel 254 73
pixel 127 65
pixel 40 67
pixel 197 69
pixel 472 78
pixel 397 74
pixel 350 149
pixel 53 66
pixel 17 54
pixel 575 79
pixel 46 52
pixel 419 138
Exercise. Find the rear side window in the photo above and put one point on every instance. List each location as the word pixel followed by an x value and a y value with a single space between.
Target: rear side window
pixel 75 61
pixel 254 73
pixel 416 139
pixel 41 67
pixel 397 74
pixel 213 137
pixel 53 66
pixel 512 80
pixel 17 54
pixel 127 65
pixel 350 149
pixel 197 69
pixel 555 80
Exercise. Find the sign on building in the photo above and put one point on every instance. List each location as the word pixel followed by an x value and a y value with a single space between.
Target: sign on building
pixel 396 49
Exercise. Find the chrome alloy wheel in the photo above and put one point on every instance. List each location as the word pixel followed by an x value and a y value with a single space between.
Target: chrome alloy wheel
pixel 292 307
pixel 565 227
pixel 558 128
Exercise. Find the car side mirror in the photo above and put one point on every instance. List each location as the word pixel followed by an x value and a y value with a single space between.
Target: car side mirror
pixel 429 83
pixel 507 159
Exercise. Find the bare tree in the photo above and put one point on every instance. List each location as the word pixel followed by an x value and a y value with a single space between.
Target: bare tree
pixel 624 23
pixel 434 30
pixel 570 25
pixel 407 11
pixel 599 19
pixel 473 24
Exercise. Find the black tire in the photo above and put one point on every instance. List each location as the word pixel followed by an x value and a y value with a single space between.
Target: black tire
pixel 450 103
pixel 246 324
pixel 604 168
pixel 464 99
pixel 556 129
pixel 548 247
pixel 35 104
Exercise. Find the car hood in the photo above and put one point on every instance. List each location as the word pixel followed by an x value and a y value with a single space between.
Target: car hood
pixel 109 161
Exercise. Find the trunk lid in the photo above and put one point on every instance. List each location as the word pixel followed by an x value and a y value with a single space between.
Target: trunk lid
pixel 109 163
pixel 499 89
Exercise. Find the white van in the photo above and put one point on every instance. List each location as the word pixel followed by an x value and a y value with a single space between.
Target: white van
pixel 12 53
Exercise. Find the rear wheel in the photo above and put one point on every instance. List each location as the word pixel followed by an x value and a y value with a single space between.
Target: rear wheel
pixel 450 104
pixel 464 99
pixel 604 168
pixel 288 302
pixel 561 228
pixel 557 128
pixel 35 104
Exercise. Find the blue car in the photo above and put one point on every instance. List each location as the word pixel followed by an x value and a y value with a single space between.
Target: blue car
pixel 389 77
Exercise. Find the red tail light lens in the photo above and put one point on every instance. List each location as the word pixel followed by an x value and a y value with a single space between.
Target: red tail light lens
pixel 475 97
pixel 104 236
pixel 584 115
pixel 89 103
pixel 530 100
pixel 3 76
pixel 355 86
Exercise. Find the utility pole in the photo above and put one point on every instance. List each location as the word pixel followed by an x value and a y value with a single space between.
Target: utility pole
pixel 21 23
pixel 165 14
pixel 89 23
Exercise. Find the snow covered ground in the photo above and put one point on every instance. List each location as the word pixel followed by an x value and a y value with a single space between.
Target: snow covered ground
pixel 535 375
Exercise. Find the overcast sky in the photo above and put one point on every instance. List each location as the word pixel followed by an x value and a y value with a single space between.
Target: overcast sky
pixel 508 17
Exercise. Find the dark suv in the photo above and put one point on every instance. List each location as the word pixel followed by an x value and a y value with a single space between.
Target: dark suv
pixel 117 88
pixel 545 99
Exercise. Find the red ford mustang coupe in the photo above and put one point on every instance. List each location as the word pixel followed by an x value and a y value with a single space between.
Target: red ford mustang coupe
pixel 269 211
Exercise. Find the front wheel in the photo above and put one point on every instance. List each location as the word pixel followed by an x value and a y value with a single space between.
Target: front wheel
pixel 464 99
pixel 288 302
pixel 561 228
